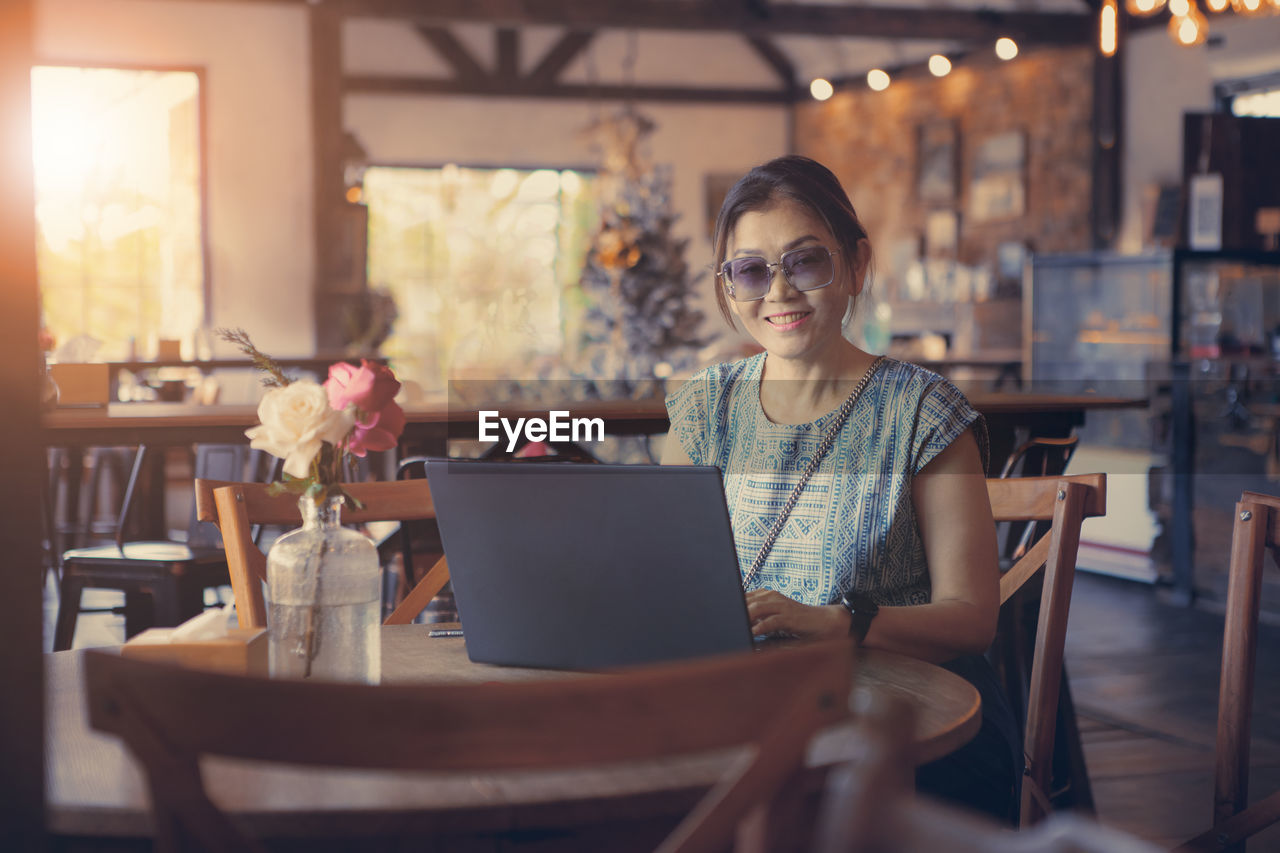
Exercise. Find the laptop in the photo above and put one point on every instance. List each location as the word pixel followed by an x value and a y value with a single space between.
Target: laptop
pixel 565 566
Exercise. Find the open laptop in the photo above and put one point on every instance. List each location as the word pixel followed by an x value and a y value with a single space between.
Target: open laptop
pixel 589 566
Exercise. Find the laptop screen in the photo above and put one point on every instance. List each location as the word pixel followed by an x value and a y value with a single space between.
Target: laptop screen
pixel 589 566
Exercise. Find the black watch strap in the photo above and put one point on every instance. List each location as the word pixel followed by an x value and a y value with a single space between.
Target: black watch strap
pixel 861 611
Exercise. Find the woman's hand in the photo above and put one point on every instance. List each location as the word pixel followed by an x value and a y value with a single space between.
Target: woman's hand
pixel 773 613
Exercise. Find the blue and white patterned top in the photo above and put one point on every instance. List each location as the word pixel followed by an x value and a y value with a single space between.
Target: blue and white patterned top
pixel 854 525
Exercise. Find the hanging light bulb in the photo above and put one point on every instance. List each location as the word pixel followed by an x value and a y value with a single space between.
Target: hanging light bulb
pixel 1217 5
pixel 1107 32
pixel 1143 7
pixel 939 65
pixel 1006 48
pixel 1248 7
pixel 1190 29
pixel 821 89
pixel 1179 8
pixel 878 79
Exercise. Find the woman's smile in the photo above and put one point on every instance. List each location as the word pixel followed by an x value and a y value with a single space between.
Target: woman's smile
pixel 787 321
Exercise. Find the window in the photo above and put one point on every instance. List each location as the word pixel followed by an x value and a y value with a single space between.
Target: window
pixel 118 207
pixel 483 265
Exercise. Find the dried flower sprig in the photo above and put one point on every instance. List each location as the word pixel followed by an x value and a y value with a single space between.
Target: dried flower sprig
pixel 273 376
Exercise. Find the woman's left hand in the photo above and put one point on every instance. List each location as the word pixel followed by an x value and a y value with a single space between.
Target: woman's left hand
pixel 773 613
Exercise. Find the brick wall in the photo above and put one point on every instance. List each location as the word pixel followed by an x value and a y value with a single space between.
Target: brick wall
pixel 870 140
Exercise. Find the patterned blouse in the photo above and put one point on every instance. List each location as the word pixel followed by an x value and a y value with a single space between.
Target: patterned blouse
pixel 854 526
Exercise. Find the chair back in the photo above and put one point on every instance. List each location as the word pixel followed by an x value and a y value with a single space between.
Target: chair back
pixel 1255 532
pixel 169 717
pixel 238 507
pixel 1064 502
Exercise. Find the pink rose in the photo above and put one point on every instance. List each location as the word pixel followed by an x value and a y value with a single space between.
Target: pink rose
pixel 369 387
pixel 377 430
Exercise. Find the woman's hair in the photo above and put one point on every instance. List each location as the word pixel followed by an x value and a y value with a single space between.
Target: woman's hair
pixel 791 178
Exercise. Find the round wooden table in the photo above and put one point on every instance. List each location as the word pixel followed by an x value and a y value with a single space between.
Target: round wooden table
pixel 94 788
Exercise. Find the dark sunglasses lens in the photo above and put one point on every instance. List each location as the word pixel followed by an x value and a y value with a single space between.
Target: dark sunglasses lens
pixel 749 277
pixel 808 269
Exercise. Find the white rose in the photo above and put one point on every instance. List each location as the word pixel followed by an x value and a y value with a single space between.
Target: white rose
pixel 295 421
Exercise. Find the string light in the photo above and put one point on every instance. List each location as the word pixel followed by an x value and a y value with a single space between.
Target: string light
pixel 1006 48
pixel 1189 29
pixel 1217 5
pixel 1143 7
pixel 1107 33
pixel 939 65
pixel 878 79
pixel 821 89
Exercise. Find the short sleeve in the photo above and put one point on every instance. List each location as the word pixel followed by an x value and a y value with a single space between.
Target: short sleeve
pixel 943 416
pixel 689 410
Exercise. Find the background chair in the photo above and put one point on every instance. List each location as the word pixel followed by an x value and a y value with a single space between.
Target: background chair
pixel 1012 653
pixel 237 507
pixel 163 581
pixel 1064 502
pixel 1256 531
pixel 774 702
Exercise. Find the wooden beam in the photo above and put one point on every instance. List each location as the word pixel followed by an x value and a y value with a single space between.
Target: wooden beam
pixel 452 51
pixel 326 181
pixel 774 19
pixel 775 59
pixel 562 53
pixel 527 88
pixel 507 48
pixel 21 450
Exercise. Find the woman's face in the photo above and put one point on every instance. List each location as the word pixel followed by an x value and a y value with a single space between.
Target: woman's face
pixel 789 323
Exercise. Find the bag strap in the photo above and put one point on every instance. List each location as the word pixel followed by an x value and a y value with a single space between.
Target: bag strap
pixel 824 447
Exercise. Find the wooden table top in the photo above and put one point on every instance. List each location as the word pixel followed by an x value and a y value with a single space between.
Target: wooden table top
pixel 94 787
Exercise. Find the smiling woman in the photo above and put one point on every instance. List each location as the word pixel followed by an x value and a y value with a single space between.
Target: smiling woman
pixel 854 483
pixel 118 206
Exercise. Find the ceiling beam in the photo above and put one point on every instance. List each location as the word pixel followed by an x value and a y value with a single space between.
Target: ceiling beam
pixel 563 52
pixel 764 20
pixel 452 51
pixel 775 59
pixel 507 48
pixel 529 88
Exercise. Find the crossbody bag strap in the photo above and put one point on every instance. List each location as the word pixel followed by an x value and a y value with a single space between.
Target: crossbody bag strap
pixel 824 447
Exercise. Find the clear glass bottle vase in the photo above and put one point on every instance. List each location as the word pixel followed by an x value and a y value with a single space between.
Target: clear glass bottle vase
pixel 325 590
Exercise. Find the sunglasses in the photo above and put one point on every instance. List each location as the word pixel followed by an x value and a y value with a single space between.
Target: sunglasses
pixel 806 268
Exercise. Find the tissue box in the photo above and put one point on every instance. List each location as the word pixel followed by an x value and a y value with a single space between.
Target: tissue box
pixel 243 651
pixel 82 384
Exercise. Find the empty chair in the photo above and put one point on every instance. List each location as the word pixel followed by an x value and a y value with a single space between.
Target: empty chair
pixel 773 703
pixel 163 581
pixel 237 507
pixel 1255 532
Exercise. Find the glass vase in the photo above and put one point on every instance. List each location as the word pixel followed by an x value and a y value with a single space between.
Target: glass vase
pixel 325 590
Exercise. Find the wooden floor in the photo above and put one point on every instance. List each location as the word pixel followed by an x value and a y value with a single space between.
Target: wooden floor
pixel 1144 676
pixel 1145 681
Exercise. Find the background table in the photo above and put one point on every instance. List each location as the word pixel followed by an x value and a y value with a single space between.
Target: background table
pixel 95 789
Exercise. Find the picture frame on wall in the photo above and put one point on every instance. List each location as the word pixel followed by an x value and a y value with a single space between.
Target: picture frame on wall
pixel 998 184
pixel 938 163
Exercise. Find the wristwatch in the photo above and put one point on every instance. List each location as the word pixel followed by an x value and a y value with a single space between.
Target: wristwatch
pixel 861 611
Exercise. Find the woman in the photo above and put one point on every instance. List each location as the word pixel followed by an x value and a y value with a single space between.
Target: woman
pixel 889 536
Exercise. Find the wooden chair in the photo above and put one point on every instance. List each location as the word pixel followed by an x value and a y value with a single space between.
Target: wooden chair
pixel 1256 531
pixel 773 702
pixel 1064 502
pixel 237 507
pixel 163 581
